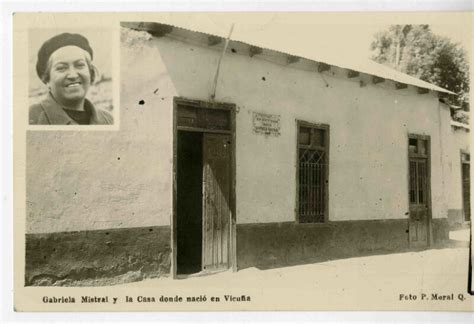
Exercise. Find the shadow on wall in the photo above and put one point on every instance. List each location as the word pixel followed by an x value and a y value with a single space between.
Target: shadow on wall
pixel 448 244
pixel 456 219
pixel 97 258
pixel 109 257
pixel 275 245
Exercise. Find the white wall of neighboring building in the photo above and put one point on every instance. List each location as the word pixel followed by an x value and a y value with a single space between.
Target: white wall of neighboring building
pixel 459 141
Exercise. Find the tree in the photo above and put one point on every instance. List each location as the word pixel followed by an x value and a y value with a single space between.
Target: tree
pixel 417 51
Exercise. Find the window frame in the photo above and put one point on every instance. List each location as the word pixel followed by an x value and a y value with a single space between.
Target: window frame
pixel 418 137
pixel 182 101
pixel 326 149
pixel 427 157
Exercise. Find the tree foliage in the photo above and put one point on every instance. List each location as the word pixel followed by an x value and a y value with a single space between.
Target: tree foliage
pixel 417 51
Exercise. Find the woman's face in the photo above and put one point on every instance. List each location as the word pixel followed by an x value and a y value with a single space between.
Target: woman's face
pixel 69 77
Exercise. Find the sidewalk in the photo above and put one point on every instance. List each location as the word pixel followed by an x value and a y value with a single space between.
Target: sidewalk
pixel 354 273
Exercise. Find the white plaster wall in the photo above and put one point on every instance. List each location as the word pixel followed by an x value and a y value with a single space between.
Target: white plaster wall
pixel 368 142
pixel 458 140
pixel 369 127
pixel 88 180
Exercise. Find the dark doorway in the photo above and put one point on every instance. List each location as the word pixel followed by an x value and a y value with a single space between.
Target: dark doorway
pixel 466 186
pixel 189 203
pixel 203 234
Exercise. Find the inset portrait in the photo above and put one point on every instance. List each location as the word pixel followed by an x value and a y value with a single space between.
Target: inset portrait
pixel 70 78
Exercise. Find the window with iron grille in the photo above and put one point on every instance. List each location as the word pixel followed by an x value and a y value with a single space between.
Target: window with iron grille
pixel 312 172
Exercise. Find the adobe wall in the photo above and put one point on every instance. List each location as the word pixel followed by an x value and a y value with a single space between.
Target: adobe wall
pixel 368 123
pixel 79 183
pixel 122 178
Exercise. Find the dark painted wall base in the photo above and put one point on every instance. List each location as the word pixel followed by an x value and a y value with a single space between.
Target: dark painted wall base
pixel 274 245
pixel 94 257
pixel 68 257
pixel 456 218
pixel 440 229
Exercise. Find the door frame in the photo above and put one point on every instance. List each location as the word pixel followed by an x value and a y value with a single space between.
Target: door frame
pixel 174 217
pixel 429 203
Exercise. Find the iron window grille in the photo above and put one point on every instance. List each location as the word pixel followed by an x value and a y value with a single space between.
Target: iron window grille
pixel 312 172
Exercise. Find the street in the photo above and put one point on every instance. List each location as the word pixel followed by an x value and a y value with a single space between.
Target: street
pixel 432 279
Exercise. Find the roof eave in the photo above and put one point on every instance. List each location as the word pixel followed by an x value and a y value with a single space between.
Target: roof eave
pixel 159 30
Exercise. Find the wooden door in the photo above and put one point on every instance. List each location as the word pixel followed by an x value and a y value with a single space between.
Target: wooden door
pixel 419 203
pixel 216 201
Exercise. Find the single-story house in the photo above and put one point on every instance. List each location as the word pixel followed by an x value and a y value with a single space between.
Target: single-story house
pixel 233 155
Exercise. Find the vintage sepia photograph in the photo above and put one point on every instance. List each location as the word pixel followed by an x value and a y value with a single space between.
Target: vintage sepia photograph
pixel 70 77
pixel 264 161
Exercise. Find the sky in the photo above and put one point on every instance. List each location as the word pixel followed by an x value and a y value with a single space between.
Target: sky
pixel 343 37
pixel 336 30
pixel 455 33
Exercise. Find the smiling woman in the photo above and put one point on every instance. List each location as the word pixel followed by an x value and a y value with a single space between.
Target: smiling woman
pixel 64 65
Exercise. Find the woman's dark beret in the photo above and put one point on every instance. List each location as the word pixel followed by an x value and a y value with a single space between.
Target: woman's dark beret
pixel 57 42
